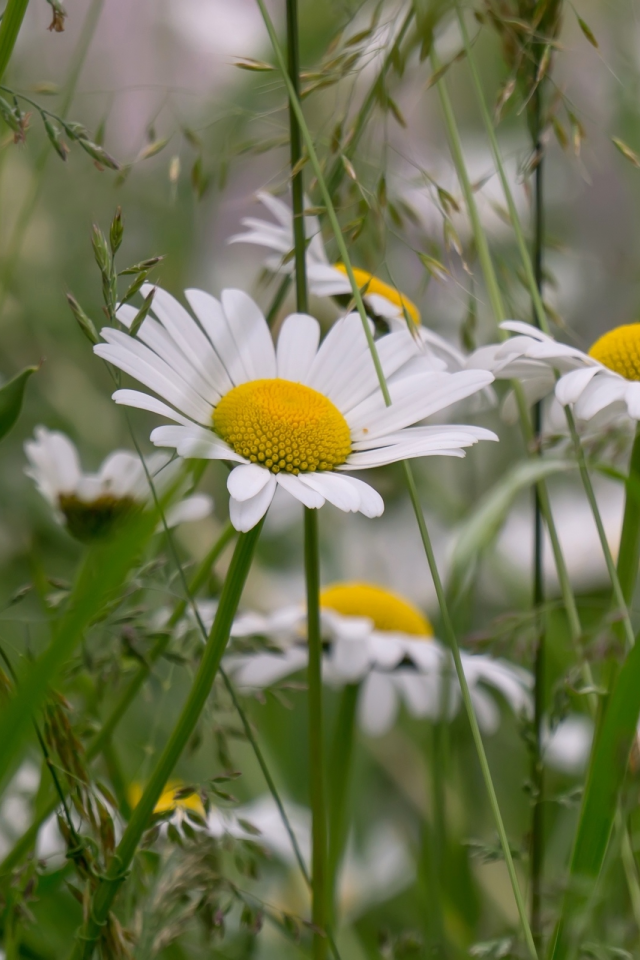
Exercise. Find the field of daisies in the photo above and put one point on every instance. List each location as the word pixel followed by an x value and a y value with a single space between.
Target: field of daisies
pixel 319 480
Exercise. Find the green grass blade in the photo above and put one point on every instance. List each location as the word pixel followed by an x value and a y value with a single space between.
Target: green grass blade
pixel 604 783
pixel 11 397
pixel 484 523
pixel 9 28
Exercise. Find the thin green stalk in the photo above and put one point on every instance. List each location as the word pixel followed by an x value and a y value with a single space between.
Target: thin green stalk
pixel 295 144
pixel 14 247
pixel 337 172
pixel 100 905
pixel 340 765
pixel 9 28
pixel 629 552
pixel 319 911
pixel 357 296
pixel 536 857
pixel 452 643
pixel 128 695
pixel 278 299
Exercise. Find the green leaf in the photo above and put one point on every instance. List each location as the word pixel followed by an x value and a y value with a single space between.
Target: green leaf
pixel 607 771
pixel 9 28
pixel 11 395
pixel 483 525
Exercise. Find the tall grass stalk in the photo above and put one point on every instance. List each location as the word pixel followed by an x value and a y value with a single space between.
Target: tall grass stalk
pixel 450 633
pixel 12 18
pixel 619 593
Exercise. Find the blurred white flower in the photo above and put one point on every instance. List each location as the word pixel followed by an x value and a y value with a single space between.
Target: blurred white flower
pixel 567 747
pixel 90 504
pixel 15 809
pixel 601 383
pixel 379 640
pixel 297 416
pixel 325 279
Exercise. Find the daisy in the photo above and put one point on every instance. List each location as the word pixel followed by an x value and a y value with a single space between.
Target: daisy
pixel 297 416
pixel 324 278
pixel 602 383
pixel 89 505
pixel 381 641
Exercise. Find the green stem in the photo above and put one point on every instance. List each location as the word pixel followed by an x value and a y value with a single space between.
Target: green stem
pixel 629 552
pixel 331 213
pixel 108 887
pixel 316 744
pixel 339 783
pixel 295 142
pixel 278 300
pixel 537 765
pixel 452 643
pixel 9 28
pixel 128 695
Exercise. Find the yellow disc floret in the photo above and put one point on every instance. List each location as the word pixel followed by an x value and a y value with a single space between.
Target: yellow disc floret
pixel 389 611
pixel 368 284
pixel 619 350
pixel 283 426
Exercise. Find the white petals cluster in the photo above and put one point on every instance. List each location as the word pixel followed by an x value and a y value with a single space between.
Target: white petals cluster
pixel 543 367
pixel 192 362
pixel 393 668
pixel 54 465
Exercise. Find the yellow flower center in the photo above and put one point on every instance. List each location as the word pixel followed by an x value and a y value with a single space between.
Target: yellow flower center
pixel 369 284
pixel 619 350
pixel 283 426
pixel 168 799
pixel 389 611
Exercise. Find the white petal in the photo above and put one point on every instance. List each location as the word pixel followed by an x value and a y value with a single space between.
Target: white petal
pixel 371 503
pixel 333 488
pixel 297 346
pixel 338 354
pixel 603 390
pixel 246 481
pixel 350 659
pixel 378 704
pixel 413 399
pixel 190 509
pixel 246 513
pixel 632 396
pixel 209 312
pixel 194 443
pixel 300 491
pixel 251 334
pixel 486 711
pixel 570 386
pixel 142 401
pixel 264 669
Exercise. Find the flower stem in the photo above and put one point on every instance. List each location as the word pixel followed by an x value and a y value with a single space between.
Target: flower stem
pixel 9 28
pixel 629 552
pixel 452 643
pixel 295 143
pixel 100 906
pixel 319 913
pixel 340 766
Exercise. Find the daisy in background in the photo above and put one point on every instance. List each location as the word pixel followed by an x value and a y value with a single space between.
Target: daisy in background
pixel 298 416
pixel 382 642
pixel 89 505
pixel 381 299
pixel 602 385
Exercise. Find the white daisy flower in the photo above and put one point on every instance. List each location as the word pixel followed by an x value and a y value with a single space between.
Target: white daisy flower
pixel 603 383
pixel 90 504
pixel 297 416
pixel 378 639
pixel 324 278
